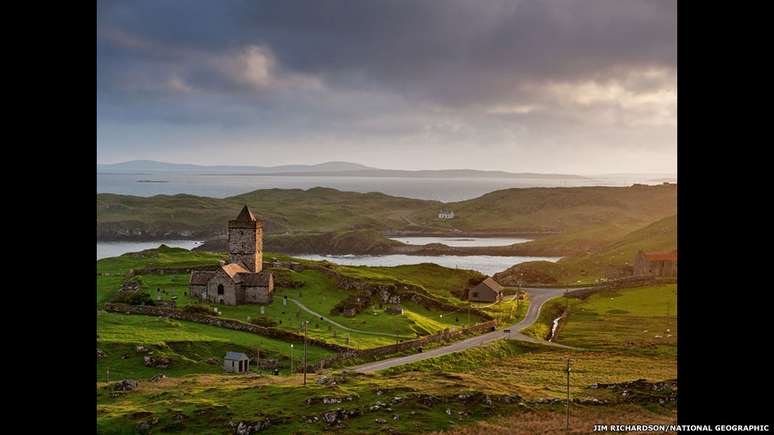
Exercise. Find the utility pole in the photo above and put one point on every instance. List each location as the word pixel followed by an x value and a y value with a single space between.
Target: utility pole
pixel 257 359
pixel 469 304
pixel 306 325
pixel 567 425
pixel 291 358
pixel 108 375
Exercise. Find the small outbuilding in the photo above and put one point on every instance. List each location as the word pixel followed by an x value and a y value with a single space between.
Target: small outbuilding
pixel 236 362
pixel 488 291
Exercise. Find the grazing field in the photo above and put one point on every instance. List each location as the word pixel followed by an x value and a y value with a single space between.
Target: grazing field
pixel 320 295
pixel 499 381
pixel 488 387
pixel 632 320
pixel 187 344
pixel 583 419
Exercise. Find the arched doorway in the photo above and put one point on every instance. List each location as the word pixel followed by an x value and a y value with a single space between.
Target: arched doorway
pixel 220 293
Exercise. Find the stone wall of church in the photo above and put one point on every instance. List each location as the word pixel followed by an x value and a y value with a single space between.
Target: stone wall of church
pixel 258 295
pixel 245 245
pixel 229 296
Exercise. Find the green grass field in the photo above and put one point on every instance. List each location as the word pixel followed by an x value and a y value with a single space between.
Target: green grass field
pixel 320 295
pixel 188 344
pixel 199 398
pixel 432 395
pixel 626 320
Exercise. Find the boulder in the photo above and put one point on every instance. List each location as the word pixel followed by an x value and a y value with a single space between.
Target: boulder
pixel 142 349
pixel 158 377
pixel 101 354
pixel 126 385
pixel 156 361
pixel 248 427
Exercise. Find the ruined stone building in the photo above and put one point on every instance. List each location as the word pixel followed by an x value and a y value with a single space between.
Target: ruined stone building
pixel 655 263
pixel 242 280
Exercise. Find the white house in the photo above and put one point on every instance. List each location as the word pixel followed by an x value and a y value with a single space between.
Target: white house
pixel 445 214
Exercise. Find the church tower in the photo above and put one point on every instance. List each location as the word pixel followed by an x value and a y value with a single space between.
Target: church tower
pixel 245 240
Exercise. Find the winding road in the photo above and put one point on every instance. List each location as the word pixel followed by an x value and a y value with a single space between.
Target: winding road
pixel 538 297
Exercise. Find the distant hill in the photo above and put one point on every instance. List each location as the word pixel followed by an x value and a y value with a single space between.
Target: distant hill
pixel 612 257
pixel 340 169
pixel 139 166
pixel 571 210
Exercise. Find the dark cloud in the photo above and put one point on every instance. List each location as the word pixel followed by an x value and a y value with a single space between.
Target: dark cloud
pixel 399 68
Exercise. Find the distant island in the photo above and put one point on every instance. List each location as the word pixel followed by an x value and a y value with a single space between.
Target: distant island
pixel 153 181
pixel 340 169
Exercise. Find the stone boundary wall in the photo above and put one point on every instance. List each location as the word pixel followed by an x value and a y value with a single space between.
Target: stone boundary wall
pixel 170 270
pixel 149 310
pixel 411 344
pixel 343 352
pixel 628 282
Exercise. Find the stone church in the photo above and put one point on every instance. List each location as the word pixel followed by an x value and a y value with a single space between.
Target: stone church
pixel 242 280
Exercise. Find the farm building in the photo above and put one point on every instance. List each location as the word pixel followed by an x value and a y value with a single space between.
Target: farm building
pixel 236 362
pixel 488 291
pixel 242 280
pixel 655 263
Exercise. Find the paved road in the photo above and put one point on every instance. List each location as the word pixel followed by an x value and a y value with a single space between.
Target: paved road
pixel 538 297
pixel 339 325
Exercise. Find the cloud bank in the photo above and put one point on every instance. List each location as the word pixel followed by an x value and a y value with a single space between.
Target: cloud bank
pixel 542 85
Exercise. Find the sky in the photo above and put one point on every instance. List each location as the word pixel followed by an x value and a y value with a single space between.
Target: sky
pixel 559 86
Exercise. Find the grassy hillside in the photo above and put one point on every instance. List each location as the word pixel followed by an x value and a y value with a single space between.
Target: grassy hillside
pixel 490 386
pixel 610 256
pixel 633 321
pixel 322 210
pixel 187 344
pixel 503 379
pixel 560 209
pixel 318 210
pixel 374 326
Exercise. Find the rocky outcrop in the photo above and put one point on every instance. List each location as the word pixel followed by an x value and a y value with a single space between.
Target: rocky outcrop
pixel 384 293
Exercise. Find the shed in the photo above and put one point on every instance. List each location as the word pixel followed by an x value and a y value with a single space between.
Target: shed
pixel 236 362
pixel 488 291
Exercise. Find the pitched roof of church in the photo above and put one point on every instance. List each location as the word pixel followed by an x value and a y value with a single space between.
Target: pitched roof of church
pixel 246 215
pixel 234 269
pixel 201 277
pixel 251 279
